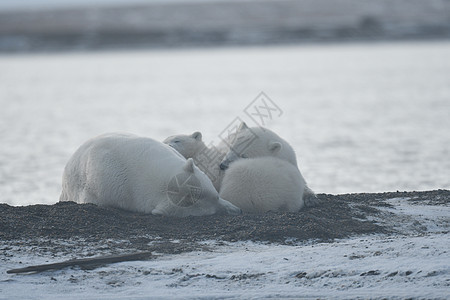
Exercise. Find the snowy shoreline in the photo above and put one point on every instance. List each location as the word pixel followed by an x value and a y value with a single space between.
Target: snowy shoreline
pixel 389 245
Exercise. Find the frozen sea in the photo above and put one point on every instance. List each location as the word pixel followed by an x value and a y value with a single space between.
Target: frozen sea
pixel 361 117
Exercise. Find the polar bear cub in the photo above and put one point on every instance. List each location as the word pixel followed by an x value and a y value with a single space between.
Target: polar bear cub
pixel 261 142
pixel 206 158
pixel 262 184
pixel 141 175
pixel 188 145
pixel 258 142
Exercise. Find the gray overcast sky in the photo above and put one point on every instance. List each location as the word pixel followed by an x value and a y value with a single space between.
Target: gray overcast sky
pixel 43 4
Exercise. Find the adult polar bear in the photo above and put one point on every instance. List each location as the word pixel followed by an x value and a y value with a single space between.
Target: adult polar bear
pixel 142 175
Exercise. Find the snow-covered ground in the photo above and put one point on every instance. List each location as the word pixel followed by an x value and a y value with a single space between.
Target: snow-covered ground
pixel 413 263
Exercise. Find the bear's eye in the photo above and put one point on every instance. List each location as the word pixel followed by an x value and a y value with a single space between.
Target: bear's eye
pixel 176 142
pixel 244 156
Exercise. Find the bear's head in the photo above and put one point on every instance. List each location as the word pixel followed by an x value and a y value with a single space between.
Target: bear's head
pixel 187 145
pixel 257 142
pixel 191 193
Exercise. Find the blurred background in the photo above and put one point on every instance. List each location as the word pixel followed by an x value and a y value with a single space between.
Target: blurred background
pixel 39 25
pixel 363 86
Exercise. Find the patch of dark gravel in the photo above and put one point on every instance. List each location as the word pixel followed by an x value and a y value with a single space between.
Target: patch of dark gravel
pixel 436 197
pixel 337 216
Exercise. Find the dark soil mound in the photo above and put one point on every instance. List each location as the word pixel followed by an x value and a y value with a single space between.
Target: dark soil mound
pixel 335 217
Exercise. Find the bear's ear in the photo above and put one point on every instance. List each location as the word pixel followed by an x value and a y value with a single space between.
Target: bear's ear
pixel 197 135
pixel 189 166
pixel 242 126
pixel 274 147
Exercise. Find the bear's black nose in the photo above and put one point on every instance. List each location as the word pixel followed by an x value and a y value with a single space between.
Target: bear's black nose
pixel 223 166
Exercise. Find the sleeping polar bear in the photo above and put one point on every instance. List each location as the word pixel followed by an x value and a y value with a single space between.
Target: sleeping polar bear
pixel 142 175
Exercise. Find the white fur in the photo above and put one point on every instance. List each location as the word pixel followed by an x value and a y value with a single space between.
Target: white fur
pixel 258 142
pixel 261 142
pixel 133 173
pixel 263 184
pixel 207 159
pixel 188 145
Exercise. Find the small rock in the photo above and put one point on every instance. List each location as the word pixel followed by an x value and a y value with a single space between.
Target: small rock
pixel 370 273
pixel 393 274
pixel 301 275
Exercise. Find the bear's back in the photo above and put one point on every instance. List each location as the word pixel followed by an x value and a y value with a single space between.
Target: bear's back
pixel 119 170
pixel 263 184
